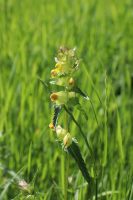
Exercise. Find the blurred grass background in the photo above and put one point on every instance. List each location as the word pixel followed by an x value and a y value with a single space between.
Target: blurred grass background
pixel 30 34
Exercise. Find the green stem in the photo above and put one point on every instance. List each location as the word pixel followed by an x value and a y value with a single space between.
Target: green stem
pixel 96 194
pixel 66 162
pixel 63 172
pixel 66 176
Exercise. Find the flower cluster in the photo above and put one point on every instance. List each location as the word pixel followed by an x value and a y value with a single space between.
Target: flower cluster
pixel 63 75
pixel 66 63
pixel 65 97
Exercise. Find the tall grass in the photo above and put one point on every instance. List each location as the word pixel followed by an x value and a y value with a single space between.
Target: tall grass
pixel 30 34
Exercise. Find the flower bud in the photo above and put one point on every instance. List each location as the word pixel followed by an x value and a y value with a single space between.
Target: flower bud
pixel 71 81
pixel 51 126
pixel 60 132
pixel 67 141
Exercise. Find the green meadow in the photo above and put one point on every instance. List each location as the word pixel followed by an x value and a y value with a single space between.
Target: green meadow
pixel 31 33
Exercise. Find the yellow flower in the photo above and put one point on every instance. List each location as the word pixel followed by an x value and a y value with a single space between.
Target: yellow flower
pixel 59 66
pixel 54 96
pixel 57 70
pixel 61 97
pixel 54 73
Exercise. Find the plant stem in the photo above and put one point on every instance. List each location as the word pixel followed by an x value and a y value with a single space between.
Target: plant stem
pixel 63 172
pixel 96 194
pixel 66 162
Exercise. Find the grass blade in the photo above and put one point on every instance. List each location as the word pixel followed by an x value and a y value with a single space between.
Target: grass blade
pixel 74 150
pixel 119 137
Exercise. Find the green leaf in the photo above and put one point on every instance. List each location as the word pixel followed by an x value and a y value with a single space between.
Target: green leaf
pixel 119 137
pixel 79 91
pixel 81 109
pixel 57 110
pixel 74 150
pixel 73 102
